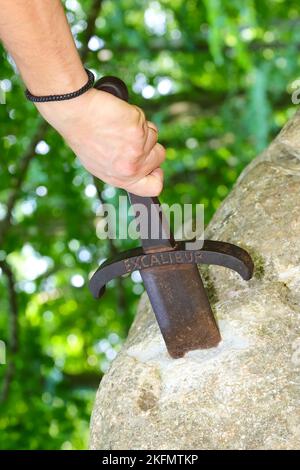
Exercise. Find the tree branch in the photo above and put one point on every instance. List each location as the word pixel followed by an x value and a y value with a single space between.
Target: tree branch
pixel 18 181
pixel 160 45
pixel 89 31
pixel 13 339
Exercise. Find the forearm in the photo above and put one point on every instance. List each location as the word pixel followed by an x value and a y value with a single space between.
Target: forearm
pixel 111 138
pixel 38 37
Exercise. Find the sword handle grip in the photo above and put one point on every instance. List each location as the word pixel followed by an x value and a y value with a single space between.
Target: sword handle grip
pixel 113 85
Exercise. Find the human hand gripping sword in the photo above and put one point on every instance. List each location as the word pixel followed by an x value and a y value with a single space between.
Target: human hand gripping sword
pixel 169 269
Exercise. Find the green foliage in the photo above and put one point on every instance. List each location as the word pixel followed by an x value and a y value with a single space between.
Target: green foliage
pixel 217 74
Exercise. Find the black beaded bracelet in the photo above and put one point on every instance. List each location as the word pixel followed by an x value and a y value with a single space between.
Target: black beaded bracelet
pixel 67 96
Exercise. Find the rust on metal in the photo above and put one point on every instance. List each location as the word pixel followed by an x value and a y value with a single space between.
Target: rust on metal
pixel 212 252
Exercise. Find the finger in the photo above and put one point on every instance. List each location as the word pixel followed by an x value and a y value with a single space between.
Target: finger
pixel 141 115
pixel 149 186
pixel 154 159
pixel 151 140
pixel 152 126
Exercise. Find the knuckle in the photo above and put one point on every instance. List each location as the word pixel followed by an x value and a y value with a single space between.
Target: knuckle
pixel 140 113
pixel 152 126
pixel 138 133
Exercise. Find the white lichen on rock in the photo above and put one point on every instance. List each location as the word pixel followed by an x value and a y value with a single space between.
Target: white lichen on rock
pixel 244 394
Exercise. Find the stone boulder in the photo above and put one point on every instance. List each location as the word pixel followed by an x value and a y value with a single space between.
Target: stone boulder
pixel 244 394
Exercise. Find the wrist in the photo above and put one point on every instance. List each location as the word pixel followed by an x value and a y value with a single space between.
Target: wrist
pixel 63 114
pixel 89 83
pixel 56 82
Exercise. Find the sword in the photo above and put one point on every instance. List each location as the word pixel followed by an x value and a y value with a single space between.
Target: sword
pixel 169 270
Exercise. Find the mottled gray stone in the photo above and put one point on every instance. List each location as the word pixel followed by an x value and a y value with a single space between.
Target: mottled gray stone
pixel 245 393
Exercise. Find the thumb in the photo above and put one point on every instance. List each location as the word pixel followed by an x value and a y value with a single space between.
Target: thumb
pixel 150 185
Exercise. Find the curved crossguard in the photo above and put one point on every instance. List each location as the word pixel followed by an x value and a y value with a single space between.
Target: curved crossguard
pixel 169 270
pixel 212 252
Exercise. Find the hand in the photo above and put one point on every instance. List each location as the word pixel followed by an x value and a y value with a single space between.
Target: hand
pixel 112 139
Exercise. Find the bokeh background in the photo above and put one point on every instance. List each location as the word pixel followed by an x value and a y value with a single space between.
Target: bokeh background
pixel 216 77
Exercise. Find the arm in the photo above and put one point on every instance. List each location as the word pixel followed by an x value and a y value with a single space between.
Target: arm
pixel 113 139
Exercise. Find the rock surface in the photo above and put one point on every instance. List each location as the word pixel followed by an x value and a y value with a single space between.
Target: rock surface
pixel 244 394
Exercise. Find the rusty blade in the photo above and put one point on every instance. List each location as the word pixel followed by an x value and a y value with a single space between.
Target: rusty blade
pixel 181 307
pixel 176 292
